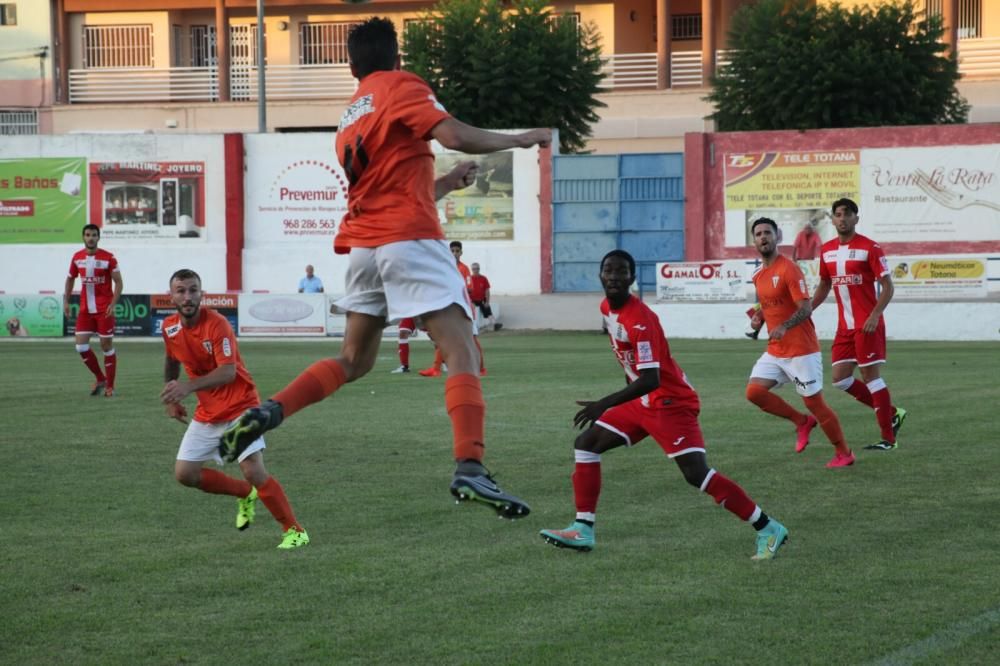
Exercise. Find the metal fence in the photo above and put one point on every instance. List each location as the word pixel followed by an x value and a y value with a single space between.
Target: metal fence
pixel 15 122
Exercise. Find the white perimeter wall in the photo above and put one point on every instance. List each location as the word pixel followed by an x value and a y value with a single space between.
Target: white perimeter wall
pixel 146 265
pixel 275 261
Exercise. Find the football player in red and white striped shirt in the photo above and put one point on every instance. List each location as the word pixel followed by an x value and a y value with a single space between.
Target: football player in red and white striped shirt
pixel 851 265
pixel 100 289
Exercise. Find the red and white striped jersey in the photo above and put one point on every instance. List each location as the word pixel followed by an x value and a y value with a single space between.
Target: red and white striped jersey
pixel 639 343
pixel 94 271
pixel 853 268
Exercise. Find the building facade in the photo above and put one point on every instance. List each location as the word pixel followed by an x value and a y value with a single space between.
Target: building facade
pixel 158 65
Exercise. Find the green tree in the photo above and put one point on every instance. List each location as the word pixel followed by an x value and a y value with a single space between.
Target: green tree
pixel 796 65
pixel 509 66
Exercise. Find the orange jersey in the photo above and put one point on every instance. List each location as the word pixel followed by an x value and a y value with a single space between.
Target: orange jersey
pixel 382 143
pixel 202 348
pixel 466 274
pixel 780 288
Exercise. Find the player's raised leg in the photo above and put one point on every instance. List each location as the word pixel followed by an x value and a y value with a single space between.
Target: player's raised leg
pixel 320 380
pixel 451 329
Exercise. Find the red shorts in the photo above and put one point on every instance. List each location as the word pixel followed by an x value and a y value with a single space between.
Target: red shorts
pixel 89 323
pixel 859 347
pixel 675 430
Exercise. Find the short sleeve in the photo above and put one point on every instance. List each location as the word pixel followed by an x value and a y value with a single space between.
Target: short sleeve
pixel 415 106
pixel 113 263
pixel 796 283
pixel 877 261
pixel 643 334
pixel 223 342
pixel 824 272
pixel 73 270
pixel 486 282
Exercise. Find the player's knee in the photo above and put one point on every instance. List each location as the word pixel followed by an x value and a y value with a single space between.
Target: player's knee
pixel 188 477
pixel 694 472
pixel 586 441
pixel 843 384
pixel 756 393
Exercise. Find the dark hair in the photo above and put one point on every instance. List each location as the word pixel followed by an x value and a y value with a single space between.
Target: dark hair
pixel 622 254
pixel 185 274
pixel 91 226
pixel 372 46
pixel 457 244
pixel 851 206
pixel 764 220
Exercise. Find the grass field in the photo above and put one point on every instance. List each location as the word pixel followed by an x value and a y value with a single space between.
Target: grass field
pixel 107 560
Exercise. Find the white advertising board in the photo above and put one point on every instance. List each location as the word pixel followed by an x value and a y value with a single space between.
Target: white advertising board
pixel 702 281
pixel 282 314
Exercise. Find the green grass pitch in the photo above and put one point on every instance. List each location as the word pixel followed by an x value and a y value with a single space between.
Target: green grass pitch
pixel 107 560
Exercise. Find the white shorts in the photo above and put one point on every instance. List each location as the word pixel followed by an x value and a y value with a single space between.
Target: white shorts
pixel 201 442
pixel 403 279
pixel 806 372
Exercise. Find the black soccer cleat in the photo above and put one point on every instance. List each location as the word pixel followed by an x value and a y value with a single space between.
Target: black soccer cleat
pixel 251 425
pixel 884 445
pixel 482 488
pixel 897 420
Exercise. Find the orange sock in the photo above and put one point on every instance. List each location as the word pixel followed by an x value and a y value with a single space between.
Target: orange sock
pixel 482 359
pixel 463 398
pixel 828 421
pixel 438 358
pixel 273 496
pixel 217 483
pixel 316 382
pixel 773 404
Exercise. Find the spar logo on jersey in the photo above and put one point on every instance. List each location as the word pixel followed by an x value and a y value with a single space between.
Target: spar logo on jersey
pixel 173 330
pixel 227 348
pixel 845 280
pixel 207 344
pixel 645 352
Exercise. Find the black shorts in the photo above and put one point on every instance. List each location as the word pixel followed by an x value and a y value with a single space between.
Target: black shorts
pixel 484 307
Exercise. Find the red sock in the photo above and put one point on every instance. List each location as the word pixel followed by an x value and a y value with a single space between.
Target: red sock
pixel 586 486
pixel 463 398
pixel 110 365
pixel 773 404
pixel 482 359
pixel 884 410
pixel 217 483
pixel 90 360
pixel 316 382
pixel 729 495
pixel 404 353
pixel 273 496
pixel 828 421
pixel 860 392
pixel 438 359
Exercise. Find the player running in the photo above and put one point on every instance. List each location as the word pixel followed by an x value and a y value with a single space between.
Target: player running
pixel 100 289
pixel 793 350
pixel 203 341
pixel 853 263
pixel 400 265
pixel 658 401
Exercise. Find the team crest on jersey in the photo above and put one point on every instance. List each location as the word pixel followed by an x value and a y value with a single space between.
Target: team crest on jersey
pixel 172 330
pixel 207 344
pixel 774 280
pixel 645 351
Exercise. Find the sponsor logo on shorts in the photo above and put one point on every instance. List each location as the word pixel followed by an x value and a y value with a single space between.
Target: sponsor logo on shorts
pixel 802 384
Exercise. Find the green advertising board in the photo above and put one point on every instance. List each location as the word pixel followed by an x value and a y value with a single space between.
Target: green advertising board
pixel 30 316
pixel 42 199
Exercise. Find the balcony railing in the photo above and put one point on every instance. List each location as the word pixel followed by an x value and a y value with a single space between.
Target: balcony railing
pixel 978 58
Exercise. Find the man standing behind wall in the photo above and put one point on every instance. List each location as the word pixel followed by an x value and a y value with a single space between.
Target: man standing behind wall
pixel 400 265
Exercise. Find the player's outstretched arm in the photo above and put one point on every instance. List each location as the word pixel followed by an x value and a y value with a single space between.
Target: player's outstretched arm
pixel 649 380
pixel 456 135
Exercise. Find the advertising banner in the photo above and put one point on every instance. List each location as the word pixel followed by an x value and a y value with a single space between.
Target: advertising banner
pixel 943 277
pixel 282 314
pixel 42 199
pixel 484 210
pixel 144 201
pixel 906 195
pixel 31 316
pixel 161 307
pixel 707 281
pixel 944 193
pixel 299 193
pixel 131 315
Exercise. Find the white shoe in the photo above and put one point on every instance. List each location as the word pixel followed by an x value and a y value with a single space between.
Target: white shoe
pixel 400 369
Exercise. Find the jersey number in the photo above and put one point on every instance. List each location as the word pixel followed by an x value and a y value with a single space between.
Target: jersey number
pixel 353 170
